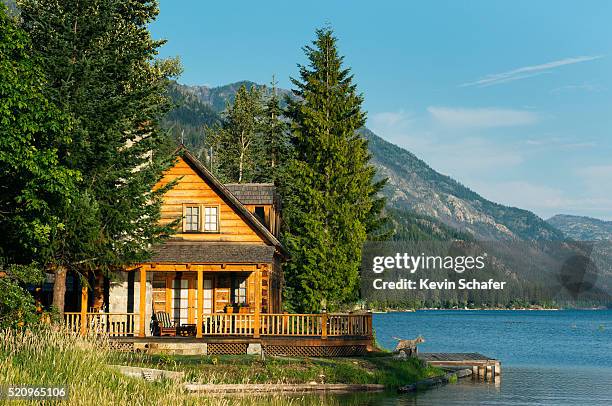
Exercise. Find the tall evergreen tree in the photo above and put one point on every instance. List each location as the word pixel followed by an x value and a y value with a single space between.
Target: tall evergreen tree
pixel 237 139
pixel 328 184
pixel 101 62
pixel 275 145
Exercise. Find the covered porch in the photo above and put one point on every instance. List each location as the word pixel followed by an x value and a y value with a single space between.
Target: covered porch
pixel 207 301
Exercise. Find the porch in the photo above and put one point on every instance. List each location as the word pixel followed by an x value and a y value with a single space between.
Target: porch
pixel 232 307
pixel 322 326
pixel 307 335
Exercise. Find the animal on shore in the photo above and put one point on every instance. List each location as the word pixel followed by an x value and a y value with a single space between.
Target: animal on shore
pixel 408 347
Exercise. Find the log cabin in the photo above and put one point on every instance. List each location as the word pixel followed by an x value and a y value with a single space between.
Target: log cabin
pixel 219 275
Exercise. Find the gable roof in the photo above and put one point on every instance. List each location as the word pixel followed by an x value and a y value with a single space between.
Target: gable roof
pixel 229 197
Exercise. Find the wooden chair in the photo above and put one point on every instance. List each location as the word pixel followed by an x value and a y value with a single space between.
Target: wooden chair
pixel 165 326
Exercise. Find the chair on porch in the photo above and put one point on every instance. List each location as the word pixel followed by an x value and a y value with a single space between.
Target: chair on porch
pixel 165 326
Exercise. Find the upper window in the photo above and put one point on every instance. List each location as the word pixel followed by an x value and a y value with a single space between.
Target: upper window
pixel 192 218
pixel 260 213
pixel 211 218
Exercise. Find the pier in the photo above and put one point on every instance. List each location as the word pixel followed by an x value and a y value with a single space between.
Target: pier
pixel 482 366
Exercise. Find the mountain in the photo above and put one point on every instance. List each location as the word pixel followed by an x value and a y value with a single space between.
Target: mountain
pixel 581 228
pixel 438 201
pixel 425 205
pixel 218 97
pixel 414 185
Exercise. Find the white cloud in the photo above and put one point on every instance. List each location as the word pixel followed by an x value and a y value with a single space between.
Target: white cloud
pixel 597 179
pixel 584 87
pixel 481 117
pixel 390 120
pixel 543 200
pixel 527 71
pixel 557 142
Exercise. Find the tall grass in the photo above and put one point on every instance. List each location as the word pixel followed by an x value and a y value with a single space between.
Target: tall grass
pixel 52 358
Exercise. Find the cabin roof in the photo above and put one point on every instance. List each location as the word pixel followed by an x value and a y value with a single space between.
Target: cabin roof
pixel 213 252
pixel 253 193
pixel 232 200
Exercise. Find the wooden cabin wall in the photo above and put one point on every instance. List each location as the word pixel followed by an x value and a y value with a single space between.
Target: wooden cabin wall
pixel 163 283
pixel 192 189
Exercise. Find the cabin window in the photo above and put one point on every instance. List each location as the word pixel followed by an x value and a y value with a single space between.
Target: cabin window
pixel 192 219
pixel 239 284
pixel 260 213
pixel 211 218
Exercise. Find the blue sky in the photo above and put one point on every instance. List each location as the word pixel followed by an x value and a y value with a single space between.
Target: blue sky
pixel 511 98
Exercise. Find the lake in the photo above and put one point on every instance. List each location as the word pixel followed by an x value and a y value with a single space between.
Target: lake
pixel 548 357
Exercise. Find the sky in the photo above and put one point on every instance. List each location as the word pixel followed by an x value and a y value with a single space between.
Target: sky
pixel 511 98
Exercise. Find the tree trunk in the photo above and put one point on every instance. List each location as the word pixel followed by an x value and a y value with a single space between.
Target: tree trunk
pixel 59 290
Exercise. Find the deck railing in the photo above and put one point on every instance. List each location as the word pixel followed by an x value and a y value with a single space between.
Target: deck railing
pixel 292 324
pixel 234 324
pixel 228 324
pixel 112 324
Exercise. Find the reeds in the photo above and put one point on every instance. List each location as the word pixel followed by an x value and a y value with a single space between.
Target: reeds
pixel 48 357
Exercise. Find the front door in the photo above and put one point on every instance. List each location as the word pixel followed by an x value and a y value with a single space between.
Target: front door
pixel 180 300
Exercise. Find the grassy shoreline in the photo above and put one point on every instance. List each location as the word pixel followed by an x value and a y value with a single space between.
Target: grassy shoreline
pixel 83 365
pixel 376 368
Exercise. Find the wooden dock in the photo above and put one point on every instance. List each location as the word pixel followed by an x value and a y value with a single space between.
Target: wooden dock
pixel 482 366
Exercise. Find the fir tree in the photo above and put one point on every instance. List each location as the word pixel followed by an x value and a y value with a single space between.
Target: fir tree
pixel 328 183
pixel 275 146
pixel 237 139
pixel 100 60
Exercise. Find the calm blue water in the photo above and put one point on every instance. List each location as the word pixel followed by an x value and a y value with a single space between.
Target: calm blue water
pixel 548 357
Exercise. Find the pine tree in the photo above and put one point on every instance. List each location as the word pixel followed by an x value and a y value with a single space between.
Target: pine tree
pixel 237 139
pixel 328 183
pixel 275 146
pixel 100 60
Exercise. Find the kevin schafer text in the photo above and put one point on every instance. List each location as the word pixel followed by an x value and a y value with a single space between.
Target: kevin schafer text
pixel 428 284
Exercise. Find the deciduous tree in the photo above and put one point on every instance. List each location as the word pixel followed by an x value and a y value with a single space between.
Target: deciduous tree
pixel 102 67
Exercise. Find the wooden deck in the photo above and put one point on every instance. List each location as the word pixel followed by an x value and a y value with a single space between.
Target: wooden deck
pixel 482 366
pixel 303 346
pixel 308 335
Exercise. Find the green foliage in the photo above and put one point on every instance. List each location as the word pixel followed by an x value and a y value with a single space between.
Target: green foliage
pixel 33 133
pixel 17 306
pixel 251 142
pixel 375 368
pixel 410 226
pixel 275 142
pixel 328 183
pixel 237 141
pixel 187 121
pixel 101 62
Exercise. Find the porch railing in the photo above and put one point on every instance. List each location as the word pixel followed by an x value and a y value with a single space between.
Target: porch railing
pixel 228 324
pixel 234 324
pixel 112 324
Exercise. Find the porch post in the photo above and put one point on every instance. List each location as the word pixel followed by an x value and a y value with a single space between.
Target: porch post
pixel 257 322
pixel 84 297
pixel 142 309
pixel 199 318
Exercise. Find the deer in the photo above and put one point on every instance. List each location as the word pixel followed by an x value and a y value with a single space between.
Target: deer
pixel 408 347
